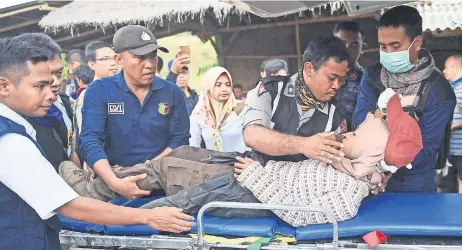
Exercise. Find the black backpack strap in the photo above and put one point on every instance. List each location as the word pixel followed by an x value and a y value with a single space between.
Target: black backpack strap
pixel 373 78
pixel 422 94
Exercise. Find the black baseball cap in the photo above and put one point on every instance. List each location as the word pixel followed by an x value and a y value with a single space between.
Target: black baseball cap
pixel 135 39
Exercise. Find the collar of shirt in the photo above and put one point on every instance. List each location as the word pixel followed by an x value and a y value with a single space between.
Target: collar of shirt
pixel 10 114
pixel 67 121
pixel 122 84
pixel 58 102
pixel 289 91
pixel 456 82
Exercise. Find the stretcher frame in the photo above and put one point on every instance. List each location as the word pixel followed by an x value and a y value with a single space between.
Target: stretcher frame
pixel 78 239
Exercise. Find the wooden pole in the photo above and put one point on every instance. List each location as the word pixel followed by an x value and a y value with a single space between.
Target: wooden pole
pixel 297 41
pixel 230 42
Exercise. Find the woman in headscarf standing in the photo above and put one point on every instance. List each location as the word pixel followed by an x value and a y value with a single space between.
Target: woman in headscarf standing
pixel 217 116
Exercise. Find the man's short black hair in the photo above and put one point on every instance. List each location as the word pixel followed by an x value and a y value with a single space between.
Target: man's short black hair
pixel 75 55
pixel 15 53
pixel 403 16
pixel 91 48
pixel 40 40
pixel 84 73
pixel 4 42
pixel 3 51
pixel 160 63
pixel 323 48
pixel 273 66
pixel 237 86
pixel 350 26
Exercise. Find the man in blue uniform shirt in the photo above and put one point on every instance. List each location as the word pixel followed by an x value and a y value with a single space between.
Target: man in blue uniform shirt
pixel 133 116
pixel 410 70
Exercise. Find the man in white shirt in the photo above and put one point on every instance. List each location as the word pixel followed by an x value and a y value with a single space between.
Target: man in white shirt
pixel 31 192
pixel 54 131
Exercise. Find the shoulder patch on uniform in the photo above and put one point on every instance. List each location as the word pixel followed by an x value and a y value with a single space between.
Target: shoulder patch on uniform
pixel 163 108
pixel 290 90
pixel 261 90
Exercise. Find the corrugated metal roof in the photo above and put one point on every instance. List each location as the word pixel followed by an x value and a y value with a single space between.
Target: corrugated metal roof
pixel 440 14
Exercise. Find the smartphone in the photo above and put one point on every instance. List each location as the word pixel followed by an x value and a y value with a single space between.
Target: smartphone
pixel 185 50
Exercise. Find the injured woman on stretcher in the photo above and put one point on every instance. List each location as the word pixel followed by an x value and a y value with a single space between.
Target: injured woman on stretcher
pixel 339 187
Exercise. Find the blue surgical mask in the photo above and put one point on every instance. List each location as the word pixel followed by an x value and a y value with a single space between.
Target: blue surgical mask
pixel 396 62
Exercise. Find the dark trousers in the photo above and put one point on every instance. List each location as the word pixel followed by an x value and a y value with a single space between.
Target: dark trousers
pixel 449 183
pixel 224 188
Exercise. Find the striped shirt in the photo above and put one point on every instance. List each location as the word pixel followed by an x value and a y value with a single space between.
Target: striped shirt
pixel 456 137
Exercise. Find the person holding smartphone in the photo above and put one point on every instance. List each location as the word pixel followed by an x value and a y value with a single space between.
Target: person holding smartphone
pixel 133 116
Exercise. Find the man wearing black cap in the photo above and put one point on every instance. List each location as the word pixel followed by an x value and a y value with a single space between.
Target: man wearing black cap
pixel 133 116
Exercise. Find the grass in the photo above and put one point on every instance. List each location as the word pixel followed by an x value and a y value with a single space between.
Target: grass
pixel 203 56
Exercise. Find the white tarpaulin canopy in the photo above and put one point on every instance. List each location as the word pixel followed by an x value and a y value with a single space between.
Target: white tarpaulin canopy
pixel 280 8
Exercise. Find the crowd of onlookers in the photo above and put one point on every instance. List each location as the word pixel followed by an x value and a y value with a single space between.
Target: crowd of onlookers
pixel 225 132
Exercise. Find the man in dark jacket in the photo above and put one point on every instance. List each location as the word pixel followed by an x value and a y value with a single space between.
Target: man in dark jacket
pixel 410 70
pixel 351 33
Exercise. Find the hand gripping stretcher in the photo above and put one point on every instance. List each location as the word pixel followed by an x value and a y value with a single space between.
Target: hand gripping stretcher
pixel 411 221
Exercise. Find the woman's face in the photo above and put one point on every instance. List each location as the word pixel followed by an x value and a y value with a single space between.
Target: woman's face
pixel 222 89
pixel 371 136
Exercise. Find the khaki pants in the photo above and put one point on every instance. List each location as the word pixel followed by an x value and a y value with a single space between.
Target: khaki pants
pixel 172 173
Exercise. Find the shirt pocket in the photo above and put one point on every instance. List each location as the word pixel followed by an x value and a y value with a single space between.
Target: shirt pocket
pixel 181 178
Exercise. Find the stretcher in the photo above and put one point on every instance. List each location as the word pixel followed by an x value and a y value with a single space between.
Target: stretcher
pixel 410 221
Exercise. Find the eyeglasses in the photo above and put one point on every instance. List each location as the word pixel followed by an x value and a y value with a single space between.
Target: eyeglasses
pixel 105 59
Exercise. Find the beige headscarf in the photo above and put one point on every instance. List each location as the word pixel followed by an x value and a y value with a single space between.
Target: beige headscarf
pixel 211 111
pixel 367 151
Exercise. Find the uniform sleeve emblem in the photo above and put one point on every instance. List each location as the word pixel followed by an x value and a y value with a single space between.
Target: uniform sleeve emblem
pixel 163 108
pixel 261 90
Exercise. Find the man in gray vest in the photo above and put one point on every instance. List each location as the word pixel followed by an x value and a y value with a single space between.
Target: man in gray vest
pixel 291 119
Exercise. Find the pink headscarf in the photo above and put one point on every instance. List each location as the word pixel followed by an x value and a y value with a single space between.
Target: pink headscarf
pixel 210 111
pixel 204 109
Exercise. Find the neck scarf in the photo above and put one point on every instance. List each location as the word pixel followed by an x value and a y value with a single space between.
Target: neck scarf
pixel 211 111
pixel 53 117
pixel 303 95
pixel 408 83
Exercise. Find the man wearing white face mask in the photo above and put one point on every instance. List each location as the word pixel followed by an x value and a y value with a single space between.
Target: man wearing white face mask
pixel 410 70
